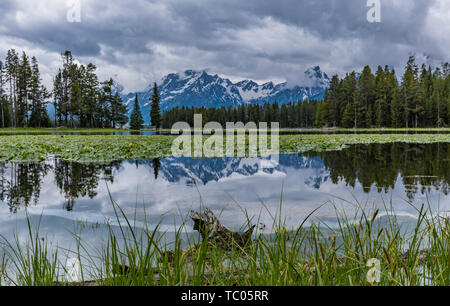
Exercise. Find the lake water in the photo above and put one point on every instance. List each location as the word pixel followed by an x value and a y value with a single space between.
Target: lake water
pixel 65 195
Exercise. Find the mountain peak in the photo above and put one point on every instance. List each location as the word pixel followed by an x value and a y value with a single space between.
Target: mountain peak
pixel 191 72
pixel 318 78
pixel 198 88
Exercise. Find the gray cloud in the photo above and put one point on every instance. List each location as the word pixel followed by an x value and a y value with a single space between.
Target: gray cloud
pixel 139 41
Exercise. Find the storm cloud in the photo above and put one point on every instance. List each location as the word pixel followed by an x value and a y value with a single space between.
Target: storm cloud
pixel 137 42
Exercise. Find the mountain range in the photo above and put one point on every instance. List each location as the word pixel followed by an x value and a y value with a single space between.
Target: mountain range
pixel 192 171
pixel 193 88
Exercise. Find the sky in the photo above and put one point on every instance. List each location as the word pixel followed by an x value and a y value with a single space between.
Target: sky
pixel 137 42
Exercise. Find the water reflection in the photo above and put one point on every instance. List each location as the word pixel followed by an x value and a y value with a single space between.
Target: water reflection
pixel 172 186
pixel 422 167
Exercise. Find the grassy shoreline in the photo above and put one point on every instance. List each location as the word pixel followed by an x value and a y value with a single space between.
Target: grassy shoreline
pixel 31 131
pixel 105 148
pixel 303 256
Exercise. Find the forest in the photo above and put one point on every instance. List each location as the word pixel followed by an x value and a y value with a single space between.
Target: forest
pixel 78 97
pixel 300 114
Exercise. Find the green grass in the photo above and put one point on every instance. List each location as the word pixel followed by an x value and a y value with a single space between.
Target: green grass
pixel 33 131
pixel 314 255
pixel 24 148
pixel 36 265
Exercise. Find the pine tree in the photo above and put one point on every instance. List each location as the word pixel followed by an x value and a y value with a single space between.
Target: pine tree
pixel 322 116
pixel 136 121
pixel 38 97
pixel 410 94
pixel 332 100
pixel 75 101
pixel 155 113
pixel 438 99
pixel 58 97
pixel 3 100
pixel 351 114
pixel 23 81
pixel 367 95
pixel 120 110
pixel 381 103
pixel 90 94
pixel 12 67
pixel 67 76
pixel 391 91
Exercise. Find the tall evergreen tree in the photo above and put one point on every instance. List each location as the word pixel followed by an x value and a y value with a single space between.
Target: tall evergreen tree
pixel 332 98
pixel 23 79
pixel 366 85
pixel 58 96
pixel 119 111
pixel 438 99
pixel 3 97
pixel 12 68
pixel 90 94
pixel 410 94
pixel 381 99
pixel 155 113
pixel 136 121
pixel 38 97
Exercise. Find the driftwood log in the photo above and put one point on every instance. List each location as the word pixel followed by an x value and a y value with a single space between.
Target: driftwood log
pixel 211 230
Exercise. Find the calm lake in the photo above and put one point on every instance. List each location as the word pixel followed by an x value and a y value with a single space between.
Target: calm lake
pixel 65 196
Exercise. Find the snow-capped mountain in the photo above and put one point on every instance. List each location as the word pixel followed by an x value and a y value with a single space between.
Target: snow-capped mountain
pixel 192 171
pixel 198 88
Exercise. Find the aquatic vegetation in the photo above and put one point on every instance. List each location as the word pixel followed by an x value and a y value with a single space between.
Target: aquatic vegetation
pixel 105 148
pixel 304 143
pixel 368 130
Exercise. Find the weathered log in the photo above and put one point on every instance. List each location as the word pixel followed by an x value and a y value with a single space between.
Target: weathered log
pixel 210 228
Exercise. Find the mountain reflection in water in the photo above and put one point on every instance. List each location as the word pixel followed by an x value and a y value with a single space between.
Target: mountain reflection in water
pixel 157 187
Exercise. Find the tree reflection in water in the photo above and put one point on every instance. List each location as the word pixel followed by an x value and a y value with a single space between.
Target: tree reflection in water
pixel 422 168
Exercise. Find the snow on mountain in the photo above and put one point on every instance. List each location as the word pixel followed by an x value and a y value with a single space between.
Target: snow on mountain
pixel 192 171
pixel 193 88
pixel 317 77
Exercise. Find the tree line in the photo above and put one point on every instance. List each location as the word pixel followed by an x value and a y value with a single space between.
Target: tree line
pixel 365 100
pixel 78 98
pixel 299 114
pixel 421 99
pixel 22 95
